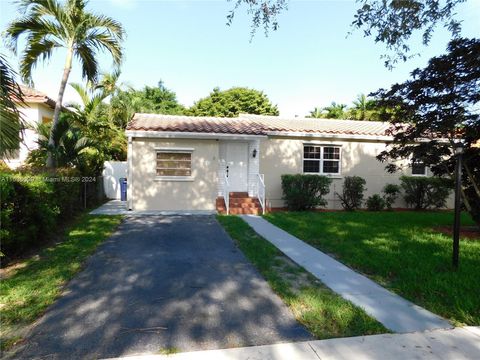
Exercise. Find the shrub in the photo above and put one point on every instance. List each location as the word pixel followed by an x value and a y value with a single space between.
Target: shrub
pixel 426 192
pixel 390 194
pixel 302 192
pixel 352 194
pixel 32 204
pixel 375 203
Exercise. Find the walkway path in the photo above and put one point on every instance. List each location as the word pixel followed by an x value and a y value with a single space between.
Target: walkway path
pixel 394 312
pixel 456 344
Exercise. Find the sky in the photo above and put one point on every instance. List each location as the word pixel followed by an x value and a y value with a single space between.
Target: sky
pixel 310 61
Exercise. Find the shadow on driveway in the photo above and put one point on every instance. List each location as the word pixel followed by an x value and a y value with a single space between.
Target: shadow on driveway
pixel 163 282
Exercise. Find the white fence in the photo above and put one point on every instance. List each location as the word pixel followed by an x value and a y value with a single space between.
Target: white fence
pixel 112 172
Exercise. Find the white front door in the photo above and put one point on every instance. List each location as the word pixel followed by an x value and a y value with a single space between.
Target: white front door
pixel 237 166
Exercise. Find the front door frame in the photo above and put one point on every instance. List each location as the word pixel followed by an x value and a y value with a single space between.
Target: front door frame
pixel 238 183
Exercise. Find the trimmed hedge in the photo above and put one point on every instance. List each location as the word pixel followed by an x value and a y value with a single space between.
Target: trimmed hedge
pixel 426 192
pixel 32 205
pixel 303 192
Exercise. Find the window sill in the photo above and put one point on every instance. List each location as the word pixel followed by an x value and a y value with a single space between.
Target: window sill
pixel 330 176
pixel 174 178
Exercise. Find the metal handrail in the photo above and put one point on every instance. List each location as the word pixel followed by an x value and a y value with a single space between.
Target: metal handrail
pixel 226 192
pixel 261 191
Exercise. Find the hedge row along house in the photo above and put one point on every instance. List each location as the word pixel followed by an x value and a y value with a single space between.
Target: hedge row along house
pixel 180 163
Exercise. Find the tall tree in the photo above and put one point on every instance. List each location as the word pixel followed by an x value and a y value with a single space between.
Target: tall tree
pixel 92 117
pixel 157 100
pixel 10 118
pixel 231 102
pixel 391 22
pixel 335 111
pixel 49 25
pixel 440 103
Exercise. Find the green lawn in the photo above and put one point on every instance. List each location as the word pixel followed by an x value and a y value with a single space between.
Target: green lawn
pixel 324 313
pixel 28 291
pixel 402 252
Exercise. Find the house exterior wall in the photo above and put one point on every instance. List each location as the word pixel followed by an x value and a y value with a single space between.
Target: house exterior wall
pixel 281 155
pixel 149 192
pixel 32 114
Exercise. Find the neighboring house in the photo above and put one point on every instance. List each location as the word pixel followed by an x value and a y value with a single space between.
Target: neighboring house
pixel 193 163
pixel 38 108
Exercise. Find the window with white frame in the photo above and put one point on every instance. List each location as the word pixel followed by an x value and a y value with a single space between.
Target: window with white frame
pixel 174 163
pixel 321 159
pixel 418 168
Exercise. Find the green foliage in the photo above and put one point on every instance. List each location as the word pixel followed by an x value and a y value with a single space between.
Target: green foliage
pixel 401 251
pixel 375 203
pixel 33 204
pixel 352 193
pixel 334 111
pixel 440 101
pixel 324 313
pixel 69 143
pixel 394 22
pixel 50 25
pixel 390 194
pixel 231 102
pixel 426 192
pixel 10 118
pixel 303 192
pixel 95 118
pixel 27 291
pixel 156 100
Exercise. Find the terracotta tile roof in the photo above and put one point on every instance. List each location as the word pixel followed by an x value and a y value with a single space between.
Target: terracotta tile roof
pixel 34 96
pixel 247 124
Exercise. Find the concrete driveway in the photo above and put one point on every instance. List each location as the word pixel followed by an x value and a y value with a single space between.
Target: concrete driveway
pixel 163 283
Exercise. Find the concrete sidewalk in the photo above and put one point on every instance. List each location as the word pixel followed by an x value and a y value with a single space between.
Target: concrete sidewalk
pixel 454 344
pixel 394 312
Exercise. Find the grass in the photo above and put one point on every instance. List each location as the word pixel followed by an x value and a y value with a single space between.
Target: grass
pixel 401 251
pixel 324 313
pixel 35 283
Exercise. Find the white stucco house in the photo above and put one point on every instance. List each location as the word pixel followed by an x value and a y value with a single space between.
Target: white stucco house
pixel 180 163
pixel 38 108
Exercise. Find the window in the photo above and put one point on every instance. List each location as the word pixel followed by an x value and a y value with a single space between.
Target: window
pixel 419 168
pixel 321 159
pixel 178 163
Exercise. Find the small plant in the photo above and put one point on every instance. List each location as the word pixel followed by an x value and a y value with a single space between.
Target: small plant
pixel 352 194
pixel 375 203
pixel 303 192
pixel 426 192
pixel 390 194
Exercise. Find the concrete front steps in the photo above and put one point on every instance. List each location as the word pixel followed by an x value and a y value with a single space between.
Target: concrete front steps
pixel 240 204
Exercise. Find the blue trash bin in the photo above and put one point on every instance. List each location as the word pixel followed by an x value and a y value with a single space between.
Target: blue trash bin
pixel 123 189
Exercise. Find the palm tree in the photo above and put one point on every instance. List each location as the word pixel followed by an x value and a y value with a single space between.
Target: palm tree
pixel 69 142
pixel 316 113
pixel 335 111
pixel 10 118
pixel 49 25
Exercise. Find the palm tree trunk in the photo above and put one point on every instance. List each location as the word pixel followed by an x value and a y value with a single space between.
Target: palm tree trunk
pixel 58 104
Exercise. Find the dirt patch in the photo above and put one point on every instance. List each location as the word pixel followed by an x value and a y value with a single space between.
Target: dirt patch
pixel 296 277
pixel 468 232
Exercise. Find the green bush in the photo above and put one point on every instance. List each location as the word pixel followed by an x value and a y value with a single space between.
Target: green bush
pixel 426 192
pixel 352 194
pixel 390 194
pixel 303 192
pixel 375 203
pixel 32 204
